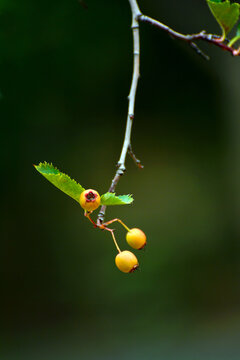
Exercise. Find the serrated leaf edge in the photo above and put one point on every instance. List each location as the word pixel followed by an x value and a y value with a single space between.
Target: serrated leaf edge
pixel 60 173
pixel 119 197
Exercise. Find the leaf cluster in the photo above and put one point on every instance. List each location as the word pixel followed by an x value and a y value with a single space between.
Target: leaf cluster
pixel 73 189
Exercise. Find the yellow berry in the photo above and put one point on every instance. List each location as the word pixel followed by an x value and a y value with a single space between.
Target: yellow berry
pixel 126 261
pixel 90 200
pixel 136 238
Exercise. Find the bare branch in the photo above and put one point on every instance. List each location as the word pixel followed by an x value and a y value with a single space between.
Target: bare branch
pixel 136 13
pixel 210 38
pixel 137 17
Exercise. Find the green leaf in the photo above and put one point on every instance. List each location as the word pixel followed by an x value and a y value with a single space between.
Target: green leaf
pixel 238 30
pixel 226 14
pixel 236 37
pixel 60 180
pixel 112 199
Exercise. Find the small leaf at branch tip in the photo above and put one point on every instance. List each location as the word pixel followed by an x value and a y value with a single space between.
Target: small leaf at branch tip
pixel 109 199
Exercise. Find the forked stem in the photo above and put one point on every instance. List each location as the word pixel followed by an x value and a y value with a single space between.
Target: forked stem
pixel 118 220
pixel 104 227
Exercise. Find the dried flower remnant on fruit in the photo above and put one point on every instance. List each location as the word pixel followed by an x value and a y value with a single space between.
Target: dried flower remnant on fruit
pixel 90 200
pixel 90 196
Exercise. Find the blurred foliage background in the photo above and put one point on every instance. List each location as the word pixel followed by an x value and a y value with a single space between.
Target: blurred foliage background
pixel 65 74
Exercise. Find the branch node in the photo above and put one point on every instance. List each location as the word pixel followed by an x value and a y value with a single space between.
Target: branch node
pixel 121 170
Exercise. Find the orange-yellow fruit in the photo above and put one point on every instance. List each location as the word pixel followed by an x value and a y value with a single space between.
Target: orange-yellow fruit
pixel 136 238
pixel 90 200
pixel 126 261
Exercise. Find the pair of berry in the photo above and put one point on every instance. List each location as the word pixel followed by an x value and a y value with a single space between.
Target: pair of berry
pixel 125 260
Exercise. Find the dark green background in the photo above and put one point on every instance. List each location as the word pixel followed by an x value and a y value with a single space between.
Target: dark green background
pixel 65 74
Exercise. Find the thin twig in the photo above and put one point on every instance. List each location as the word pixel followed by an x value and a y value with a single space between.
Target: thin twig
pixel 199 51
pixel 202 35
pixel 133 156
pixel 136 13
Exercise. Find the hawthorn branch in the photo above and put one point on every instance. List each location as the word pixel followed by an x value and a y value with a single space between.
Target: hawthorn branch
pixel 138 17
pixel 136 13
